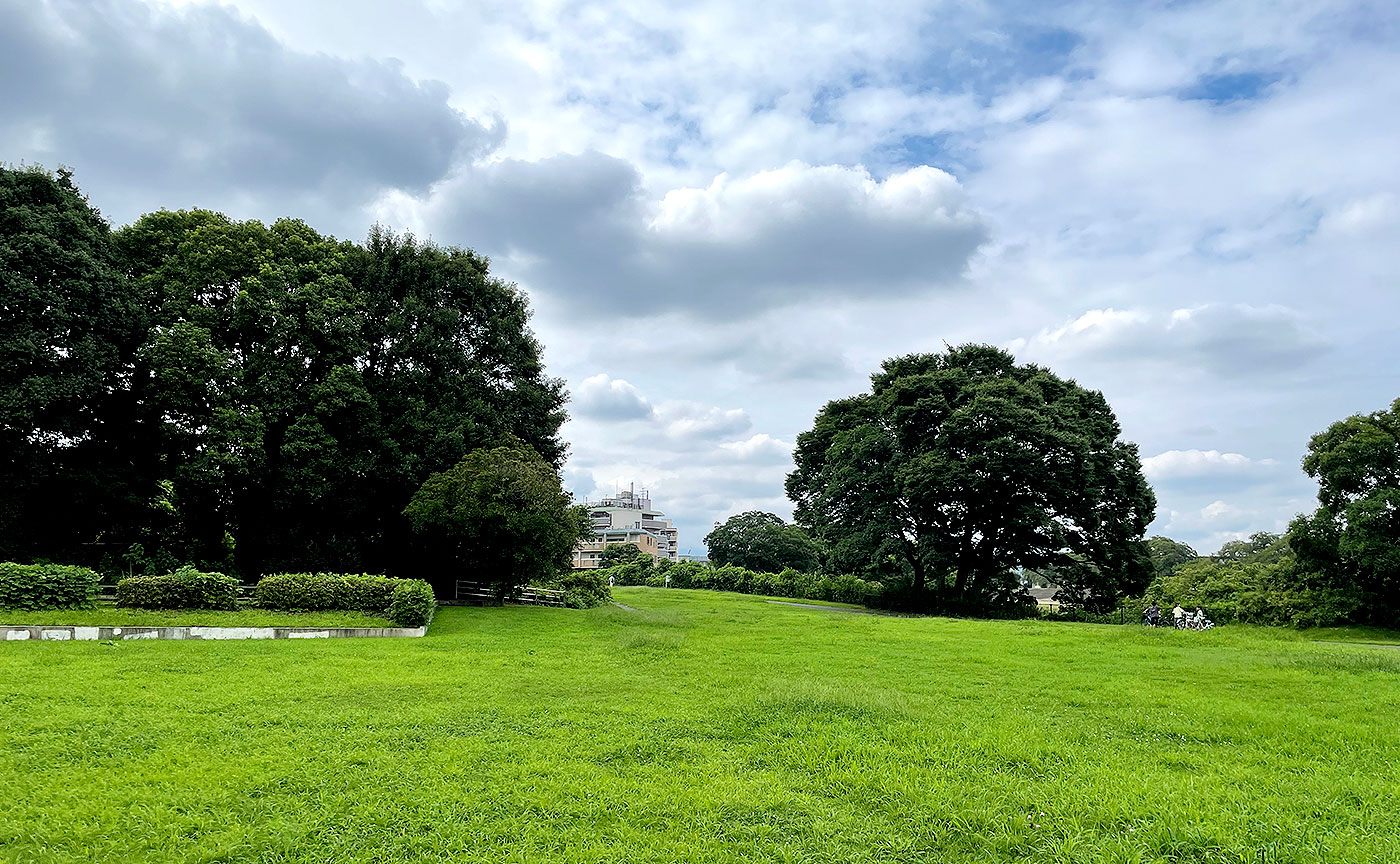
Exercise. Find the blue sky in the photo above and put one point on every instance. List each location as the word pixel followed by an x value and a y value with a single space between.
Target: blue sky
pixel 727 214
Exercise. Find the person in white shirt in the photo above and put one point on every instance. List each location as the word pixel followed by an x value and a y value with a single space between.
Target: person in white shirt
pixel 1179 615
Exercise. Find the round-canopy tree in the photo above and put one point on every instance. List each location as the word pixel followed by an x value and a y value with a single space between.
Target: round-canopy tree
pixel 762 542
pixel 1168 554
pixel 499 516
pixel 958 468
pixel 1353 540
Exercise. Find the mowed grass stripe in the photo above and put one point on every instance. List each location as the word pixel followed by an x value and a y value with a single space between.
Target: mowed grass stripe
pixel 704 727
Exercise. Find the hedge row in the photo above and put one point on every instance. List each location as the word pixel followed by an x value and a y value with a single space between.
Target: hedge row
pixel 46 586
pixel 406 602
pixel 186 588
pixel 841 588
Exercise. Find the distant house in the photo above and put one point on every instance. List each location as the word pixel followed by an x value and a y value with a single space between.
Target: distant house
pixel 1045 597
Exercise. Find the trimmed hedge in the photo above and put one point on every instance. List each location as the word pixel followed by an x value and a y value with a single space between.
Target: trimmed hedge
pixel 324 592
pixel 327 592
pixel 186 588
pixel 46 586
pixel 839 588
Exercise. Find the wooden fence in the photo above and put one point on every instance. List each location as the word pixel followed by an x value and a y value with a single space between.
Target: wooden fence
pixel 480 593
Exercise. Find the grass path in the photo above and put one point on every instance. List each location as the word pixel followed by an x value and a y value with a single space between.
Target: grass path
pixel 704 728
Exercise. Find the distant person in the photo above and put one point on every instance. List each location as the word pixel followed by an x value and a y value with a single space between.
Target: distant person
pixel 668 580
pixel 610 580
pixel 1198 619
pixel 1179 616
pixel 1152 614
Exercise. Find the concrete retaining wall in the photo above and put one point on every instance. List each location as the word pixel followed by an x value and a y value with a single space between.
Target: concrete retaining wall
pixel 57 633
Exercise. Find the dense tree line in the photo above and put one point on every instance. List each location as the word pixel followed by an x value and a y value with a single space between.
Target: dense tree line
pixel 238 395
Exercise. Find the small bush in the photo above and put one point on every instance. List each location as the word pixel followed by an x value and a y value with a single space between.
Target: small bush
pixel 46 586
pixel 411 603
pixel 583 589
pixel 186 588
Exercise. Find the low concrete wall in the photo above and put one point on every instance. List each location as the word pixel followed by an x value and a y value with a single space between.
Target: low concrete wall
pixel 63 633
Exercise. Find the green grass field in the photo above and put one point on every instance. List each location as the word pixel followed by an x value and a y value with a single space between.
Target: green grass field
pixel 705 727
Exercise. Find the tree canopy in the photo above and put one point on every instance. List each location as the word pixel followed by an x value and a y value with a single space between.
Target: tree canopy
pixel 619 553
pixel 1352 541
pixel 762 542
pixel 499 516
pixel 958 468
pixel 1168 554
pixel 236 390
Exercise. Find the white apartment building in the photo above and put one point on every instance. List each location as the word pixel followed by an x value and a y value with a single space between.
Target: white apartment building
pixel 627 517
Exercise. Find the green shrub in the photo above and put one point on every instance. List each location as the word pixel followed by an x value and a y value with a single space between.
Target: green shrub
pixel 46 586
pixel 411 603
pixel 583 589
pixel 324 592
pixel 406 602
pixel 840 588
pixel 186 588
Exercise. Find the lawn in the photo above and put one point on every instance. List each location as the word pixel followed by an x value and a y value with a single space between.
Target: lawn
pixel 114 617
pixel 705 727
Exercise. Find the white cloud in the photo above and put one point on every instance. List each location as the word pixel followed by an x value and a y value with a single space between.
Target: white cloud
pixel 609 399
pixel 759 449
pixel 1228 341
pixel 581 230
pixel 1196 463
pixel 691 421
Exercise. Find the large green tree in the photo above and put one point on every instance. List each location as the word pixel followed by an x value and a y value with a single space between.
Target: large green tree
pixel 69 329
pixel 958 468
pixel 304 388
pixel 1352 541
pixel 500 516
pixel 762 542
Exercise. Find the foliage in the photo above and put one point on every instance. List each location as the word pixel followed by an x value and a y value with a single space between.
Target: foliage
pixel 1168 554
pixel 1262 547
pixel 619 553
pixel 69 327
pixel 314 592
pixel 412 603
pixel 186 588
pixel 240 395
pixel 706 727
pixel 1352 542
pixel 1251 592
pixel 957 469
pixel 399 600
pixel 842 588
pixel 46 586
pixel 583 589
pixel 501 515
pixel 762 541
